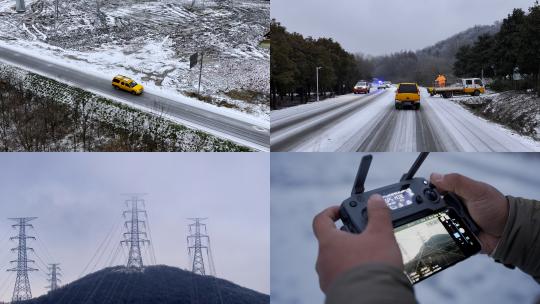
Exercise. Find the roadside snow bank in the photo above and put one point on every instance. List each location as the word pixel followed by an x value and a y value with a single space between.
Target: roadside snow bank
pixel 518 111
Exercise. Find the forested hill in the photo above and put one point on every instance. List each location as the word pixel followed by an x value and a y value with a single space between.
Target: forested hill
pixel 448 48
pixel 423 65
pixel 156 284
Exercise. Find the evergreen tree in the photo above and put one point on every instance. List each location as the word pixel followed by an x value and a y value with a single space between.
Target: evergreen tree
pixel 507 43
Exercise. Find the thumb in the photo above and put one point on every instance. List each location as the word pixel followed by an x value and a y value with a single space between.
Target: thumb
pixel 463 186
pixel 379 218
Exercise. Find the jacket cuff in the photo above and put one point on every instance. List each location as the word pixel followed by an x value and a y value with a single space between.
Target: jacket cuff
pixel 371 284
pixel 519 244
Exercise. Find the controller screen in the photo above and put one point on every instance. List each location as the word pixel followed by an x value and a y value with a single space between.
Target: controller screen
pixel 399 199
pixel 431 244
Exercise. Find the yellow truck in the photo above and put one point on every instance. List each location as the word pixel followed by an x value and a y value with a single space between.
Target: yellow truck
pixel 467 86
pixel 407 94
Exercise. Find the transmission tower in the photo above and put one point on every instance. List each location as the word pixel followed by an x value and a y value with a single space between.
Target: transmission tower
pixel 53 276
pixel 22 291
pixel 136 234
pixel 198 240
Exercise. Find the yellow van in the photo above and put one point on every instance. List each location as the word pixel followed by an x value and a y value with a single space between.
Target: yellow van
pixel 127 84
pixel 407 94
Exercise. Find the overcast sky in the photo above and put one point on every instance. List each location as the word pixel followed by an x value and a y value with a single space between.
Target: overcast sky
pixel 379 27
pixel 77 198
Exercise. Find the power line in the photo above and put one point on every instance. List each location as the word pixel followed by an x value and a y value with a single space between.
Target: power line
pixel 152 251
pixel 22 290
pixel 4 287
pixel 99 252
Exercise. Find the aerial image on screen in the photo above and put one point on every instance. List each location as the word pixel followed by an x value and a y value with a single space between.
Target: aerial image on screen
pixel 427 247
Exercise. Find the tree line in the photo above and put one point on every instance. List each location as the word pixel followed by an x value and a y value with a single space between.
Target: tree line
pixel 293 67
pixel 515 49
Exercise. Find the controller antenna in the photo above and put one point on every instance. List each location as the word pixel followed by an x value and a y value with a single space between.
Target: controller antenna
pixel 417 163
pixel 361 175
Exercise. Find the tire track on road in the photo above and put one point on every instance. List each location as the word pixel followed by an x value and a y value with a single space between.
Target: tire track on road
pixel 299 134
pixel 289 121
pixel 379 136
pixel 426 141
pixel 467 132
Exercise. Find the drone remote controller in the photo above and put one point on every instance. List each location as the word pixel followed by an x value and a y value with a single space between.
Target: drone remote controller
pixel 410 199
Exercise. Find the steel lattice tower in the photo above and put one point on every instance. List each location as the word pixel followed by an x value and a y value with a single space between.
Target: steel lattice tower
pixel 136 234
pixel 196 243
pixel 54 274
pixel 22 290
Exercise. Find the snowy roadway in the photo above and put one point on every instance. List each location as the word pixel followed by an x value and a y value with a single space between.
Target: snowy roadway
pixel 370 123
pixel 211 119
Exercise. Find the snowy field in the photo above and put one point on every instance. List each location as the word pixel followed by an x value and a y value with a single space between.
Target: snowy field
pixel 151 41
pixel 302 184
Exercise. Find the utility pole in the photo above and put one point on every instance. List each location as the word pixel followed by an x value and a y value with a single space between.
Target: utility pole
pixel 136 234
pixel 482 75
pixel 22 290
pixel 19 6
pixel 200 75
pixel 56 15
pixel 196 243
pixel 54 274
pixel 317 73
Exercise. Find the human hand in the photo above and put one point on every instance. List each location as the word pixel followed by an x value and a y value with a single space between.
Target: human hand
pixel 340 251
pixel 487 206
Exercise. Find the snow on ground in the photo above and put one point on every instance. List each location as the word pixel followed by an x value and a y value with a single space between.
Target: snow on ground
pixel 308 107
pixel 152 41
pixel 299 191
pixel 98 109
pixel 377 126
pixel 517 110
pixel 471 131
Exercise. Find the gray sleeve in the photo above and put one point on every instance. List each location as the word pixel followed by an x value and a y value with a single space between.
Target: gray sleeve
pixel 520 243
pixel 371 284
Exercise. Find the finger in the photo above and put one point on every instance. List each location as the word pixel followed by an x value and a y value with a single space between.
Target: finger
pixel 463 186
pixel 379 218
pixel 324 222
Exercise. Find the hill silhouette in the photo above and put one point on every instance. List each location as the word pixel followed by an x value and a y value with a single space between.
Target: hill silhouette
pixel 424 65
pixel 156 284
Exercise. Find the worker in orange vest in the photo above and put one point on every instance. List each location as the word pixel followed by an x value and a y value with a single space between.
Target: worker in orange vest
pixel 441 80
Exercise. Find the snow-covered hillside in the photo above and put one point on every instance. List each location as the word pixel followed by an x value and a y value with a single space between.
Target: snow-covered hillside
pixel 152 41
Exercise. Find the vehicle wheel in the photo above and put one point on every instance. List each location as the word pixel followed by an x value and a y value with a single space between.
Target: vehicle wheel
pixel 115 87
pixel 476 93
pixel 417 106
pixel 397 106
